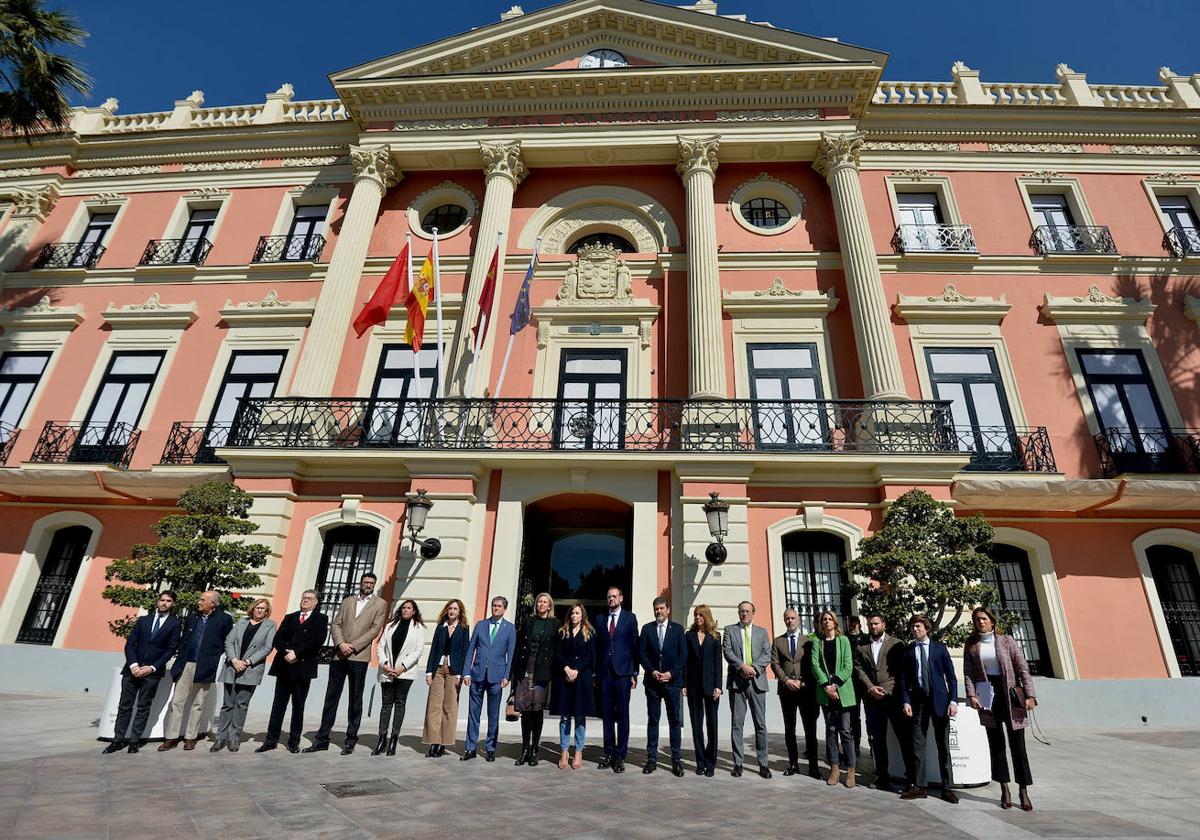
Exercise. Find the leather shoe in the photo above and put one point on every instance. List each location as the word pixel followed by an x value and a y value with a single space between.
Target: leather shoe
pixel 950 796
pixel 914 792
pixel 431 752
pixel 115 746
pixel 315 748
pixel 233 745
pixel 813 772
pixel 764 771
pixel 347 749
pixel 618 766
pixel 736 771
pixel 441 750
pixel 700 769
pixel 169 744
pixel 533 756
pixel 791 770
pixel 380 746
pixel 189 744
pixel 677 768
pixel 605 762
pixel 134 747
pixel 217 746
pixel 267 747
pixel 489 756
pixel 710 772
pixel 294 749
pixel 468 755
pixel 649 768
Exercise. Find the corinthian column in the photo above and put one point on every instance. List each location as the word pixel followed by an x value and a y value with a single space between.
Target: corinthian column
pixel 374 173
pixel 503 170
pixel 837 161
pixel 697 167
pixel 30 209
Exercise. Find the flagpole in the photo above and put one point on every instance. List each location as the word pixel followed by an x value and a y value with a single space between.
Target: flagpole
pixel 512 335
pixel 437 294
pixel 416 366
pixel 473 373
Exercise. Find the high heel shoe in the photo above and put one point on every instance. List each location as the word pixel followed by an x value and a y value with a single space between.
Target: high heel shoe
pixel 380 745
pixel 1026 805
pixel 577 764
pixel 391 747
pixel 1005 797
pixel 432 751
pixel 523 758
pixel 835 775
pixel 564 760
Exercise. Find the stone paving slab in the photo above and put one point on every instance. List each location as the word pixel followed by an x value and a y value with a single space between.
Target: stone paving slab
pixel 54 783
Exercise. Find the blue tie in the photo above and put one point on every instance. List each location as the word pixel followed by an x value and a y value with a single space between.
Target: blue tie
pixel 792 639
pixel 157 624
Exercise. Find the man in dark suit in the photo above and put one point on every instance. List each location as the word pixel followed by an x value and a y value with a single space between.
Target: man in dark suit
pixel 928 688
pixel 878 661
pixel 664 656
pixel 788 656
pixel 153 640
pixel 195 670
pixel 616 674
pixel 297 643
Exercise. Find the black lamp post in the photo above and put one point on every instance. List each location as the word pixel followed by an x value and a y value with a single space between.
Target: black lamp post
pixel 416 510
pixel 717 513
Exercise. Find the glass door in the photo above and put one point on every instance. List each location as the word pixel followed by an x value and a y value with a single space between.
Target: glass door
pixel 785 382
pixel 117 409
pixel 1127 408
pixel 591 397
pixel 970 379
pixel 920 217
pixel 399 407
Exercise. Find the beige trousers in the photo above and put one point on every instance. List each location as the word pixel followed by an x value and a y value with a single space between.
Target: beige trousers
pixel 187 706
pixel 441 710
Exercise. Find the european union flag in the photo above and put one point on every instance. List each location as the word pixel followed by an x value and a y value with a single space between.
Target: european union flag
pixel 520 315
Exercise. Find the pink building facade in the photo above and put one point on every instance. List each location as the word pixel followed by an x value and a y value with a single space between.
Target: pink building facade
pixel 763 272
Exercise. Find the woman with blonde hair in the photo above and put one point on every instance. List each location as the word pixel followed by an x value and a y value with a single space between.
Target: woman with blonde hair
pixel 833 667
pixel 398 652
pixel 572 695
pixel 443 675
pixel 703 688
pixel 533 668
pixel 246 650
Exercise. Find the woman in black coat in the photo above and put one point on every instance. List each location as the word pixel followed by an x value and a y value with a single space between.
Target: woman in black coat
pixel 703 687
pixel 572 697
pixel 533 667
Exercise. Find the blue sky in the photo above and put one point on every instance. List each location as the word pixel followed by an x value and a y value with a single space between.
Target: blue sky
pixel 148 53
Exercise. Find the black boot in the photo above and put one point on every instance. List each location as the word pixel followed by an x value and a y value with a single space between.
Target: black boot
pixel 391 744
pixel 380 745
pixel 524 757
pixel 533 755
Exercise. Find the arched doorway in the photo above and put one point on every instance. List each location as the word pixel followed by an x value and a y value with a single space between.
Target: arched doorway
pixel 347 554
pixel 814 576
pixel 1177 579
pixel 54 584
pixel 1013 580
pixel 576 546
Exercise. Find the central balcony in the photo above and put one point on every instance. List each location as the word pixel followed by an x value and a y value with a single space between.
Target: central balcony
pixel 1148 451
pixel 69 255
pixel 540 425
pixel 91 443
pixel 934 239
pixel 1073 239
pixel 175 252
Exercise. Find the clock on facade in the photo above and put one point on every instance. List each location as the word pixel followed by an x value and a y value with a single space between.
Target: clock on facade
pixel 602 58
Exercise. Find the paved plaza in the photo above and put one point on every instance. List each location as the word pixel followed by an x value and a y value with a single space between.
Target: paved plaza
pixel 54 783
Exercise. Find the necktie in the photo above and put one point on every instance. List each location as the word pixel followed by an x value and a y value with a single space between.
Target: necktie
pixel 612 624
pixel 923 675
pixel 302 617
pixel 492 632
pixel 662 632
pixel 792 639
pixel 157 624
pixel 747 657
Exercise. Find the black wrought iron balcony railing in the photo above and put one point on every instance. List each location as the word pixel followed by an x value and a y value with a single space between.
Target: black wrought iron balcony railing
pixel 1072 239
pixel 289 248
pixel 194 442
pixel 911 239
pixel 175 252
pixel 1006 448
pixel 69 255
pixel 8 439
pixel 1148 451
pixel 1182 242
pixel 91 443
pixel 819 426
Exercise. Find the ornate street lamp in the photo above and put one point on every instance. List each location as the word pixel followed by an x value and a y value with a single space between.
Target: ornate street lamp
pixel 717 513
pixel 416 510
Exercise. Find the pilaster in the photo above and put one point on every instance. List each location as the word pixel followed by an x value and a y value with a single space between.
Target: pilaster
pixel 30 209
pixel 693 579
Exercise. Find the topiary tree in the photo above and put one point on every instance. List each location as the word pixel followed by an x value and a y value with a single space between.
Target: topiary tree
pixel 193 555
pixel 925 560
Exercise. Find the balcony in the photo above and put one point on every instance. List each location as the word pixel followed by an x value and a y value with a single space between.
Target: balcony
pixel 77 443
pixel 175 252
pixel 1006 448
pixel 1148 451
pixel 69 255
pixel 1089 240
pixel 1182 242
pixel 8 439
pixel 289 248
pixel 934 239
pixel 540 425
pixel 194 443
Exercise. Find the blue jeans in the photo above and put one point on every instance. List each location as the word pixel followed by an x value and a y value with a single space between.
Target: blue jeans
pixel 564 732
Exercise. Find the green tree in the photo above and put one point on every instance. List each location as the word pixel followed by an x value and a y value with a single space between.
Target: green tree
pixel 35 78
pixel 194 553
pixel 925 560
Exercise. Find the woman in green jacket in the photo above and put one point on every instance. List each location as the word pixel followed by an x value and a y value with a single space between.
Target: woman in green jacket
pixel 833 667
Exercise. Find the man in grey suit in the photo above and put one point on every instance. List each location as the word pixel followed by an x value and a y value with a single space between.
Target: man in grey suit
pixel 488 664
pixel 747 649
pixel 878 660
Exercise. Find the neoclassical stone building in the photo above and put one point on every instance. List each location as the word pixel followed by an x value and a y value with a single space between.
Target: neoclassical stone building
pixel 763 273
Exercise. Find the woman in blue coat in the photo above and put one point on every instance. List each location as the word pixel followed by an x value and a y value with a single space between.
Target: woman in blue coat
pixel 571 697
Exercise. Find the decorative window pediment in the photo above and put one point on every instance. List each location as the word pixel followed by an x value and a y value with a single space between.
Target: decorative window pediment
pixel 951 305
pixel 1096 307
pixel 151 314
pixel 269 311
pixel 42 315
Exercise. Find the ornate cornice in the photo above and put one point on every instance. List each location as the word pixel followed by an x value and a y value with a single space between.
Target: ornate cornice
pixel 374 163
pixel 1096 307
pixel 951 305
pixel 42 315
pixel 837 151
pixel 151 314
pixel 777 299
pixel 698 154
pixel 503 160
pixel 270 311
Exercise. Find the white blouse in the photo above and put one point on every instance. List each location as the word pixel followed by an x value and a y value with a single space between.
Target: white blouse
pixel 987 654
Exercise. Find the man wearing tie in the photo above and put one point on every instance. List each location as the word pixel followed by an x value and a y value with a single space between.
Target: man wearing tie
pixel 878 661
pixel 616 674
pixel 788 655
pixel 664 656
pixel 195 670
pixel 928 688
pixel 488 663
pixel 747 649
pixel 297 643
pixel 153 640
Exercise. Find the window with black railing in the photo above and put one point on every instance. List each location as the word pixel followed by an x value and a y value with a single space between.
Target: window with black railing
pixel 814 576
pixel 69 255
pixel 348 553
pixel 1182 238
pixel 303 242
pixel 53 588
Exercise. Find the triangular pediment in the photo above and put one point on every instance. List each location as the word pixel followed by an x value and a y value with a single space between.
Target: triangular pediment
pixel 647 34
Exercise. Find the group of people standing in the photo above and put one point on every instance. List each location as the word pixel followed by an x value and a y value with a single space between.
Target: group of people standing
pixel 570 667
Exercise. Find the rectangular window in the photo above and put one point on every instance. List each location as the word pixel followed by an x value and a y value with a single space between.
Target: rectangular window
pixel 305 237
pixel 196 236
pixel 970 379
pixel 251 373
pixel 591 393
pixel 19 377
pixel 118 405
pixel 1127 408
pixel 920 221
pixel 92 238
pixel 1182 223
pixel 1052 213
pixel 785 380
pixel 814 576
pixel 395 417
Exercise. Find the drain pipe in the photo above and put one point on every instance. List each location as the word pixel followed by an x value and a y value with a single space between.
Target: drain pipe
pixel 1090 510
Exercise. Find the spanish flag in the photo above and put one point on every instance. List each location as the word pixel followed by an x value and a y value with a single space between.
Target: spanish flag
pixel 385 297
pixel 417 304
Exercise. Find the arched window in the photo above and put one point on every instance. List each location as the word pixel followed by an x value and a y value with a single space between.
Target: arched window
pixel 348 553
pixel 619 242
pixel 814 576
pixel 765 213
pixel 447 218
pixel 1014 582
pixel 1178 583
pixel 59 569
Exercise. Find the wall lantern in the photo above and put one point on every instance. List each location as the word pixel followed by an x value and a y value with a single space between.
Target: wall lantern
pixel 717 513
pixel 416 511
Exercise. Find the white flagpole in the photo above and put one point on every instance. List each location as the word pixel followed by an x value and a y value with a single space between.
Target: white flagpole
pixel 511 335
pixel 411 285
pixel 473 373
pixel 437 292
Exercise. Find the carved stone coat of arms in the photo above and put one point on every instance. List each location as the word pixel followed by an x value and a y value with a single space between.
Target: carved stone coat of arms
pixel 598 275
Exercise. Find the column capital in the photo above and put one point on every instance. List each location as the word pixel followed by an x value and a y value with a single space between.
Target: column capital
pixel 697 153
pixel 836 151
pixel 35 203
pixel 503 160
pixel 374 163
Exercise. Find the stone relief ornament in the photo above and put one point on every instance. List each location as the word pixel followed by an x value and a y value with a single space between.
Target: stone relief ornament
pixel 1045 174
pixel 697 154
pixel 375 163
pixel 271 301
pixel 43 305
pixel 221 165
pixel 1171 177
pixel 915 174
pixel 543 335
pixel 837 150
pixel 1126 149
pixel 599 275
pixel 1094 295
pixel 439 125
pixel 777 289
pixel 769 116
pixel 907 146
pixel 151 304
pixel 36 203
pixel 1040 148
pixel 619 219
pixel 20 173
pixel 951 295
pixel 503 159
pixel 115 171
pixel 323 160
pixel 108 197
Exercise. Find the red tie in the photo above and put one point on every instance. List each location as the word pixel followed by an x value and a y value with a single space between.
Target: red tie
pixel 612 625
pixel 302 617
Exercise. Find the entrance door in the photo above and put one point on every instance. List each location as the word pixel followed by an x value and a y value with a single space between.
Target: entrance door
pixel 1178 585
pixel 591 394
pixel 54 585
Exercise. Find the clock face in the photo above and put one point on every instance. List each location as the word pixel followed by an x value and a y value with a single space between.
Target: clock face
pixel 602 58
